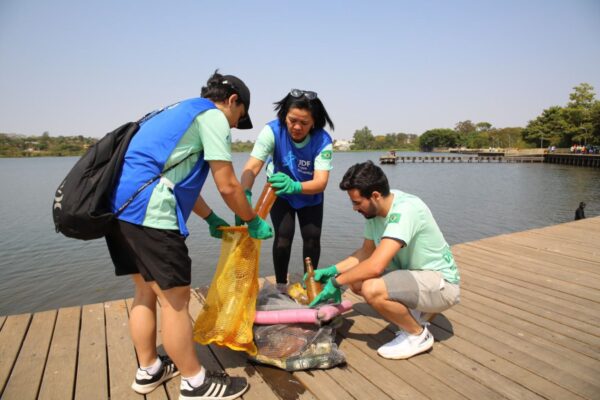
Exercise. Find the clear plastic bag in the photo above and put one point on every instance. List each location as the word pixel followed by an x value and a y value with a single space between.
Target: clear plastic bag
pixel 293 347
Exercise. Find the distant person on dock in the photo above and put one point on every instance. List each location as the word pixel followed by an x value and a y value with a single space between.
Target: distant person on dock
pixel 301 152
pixel 148 239
pixel 404 268
pixel 579 213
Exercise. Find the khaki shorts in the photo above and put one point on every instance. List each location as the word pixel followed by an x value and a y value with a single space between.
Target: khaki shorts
pixel 426 291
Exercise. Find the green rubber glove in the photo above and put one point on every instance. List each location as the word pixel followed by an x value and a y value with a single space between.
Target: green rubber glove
pixel 284 184
pixel 238 220
pixel 259 229
pixel 322 274
pixel 214 222
pixel 329 292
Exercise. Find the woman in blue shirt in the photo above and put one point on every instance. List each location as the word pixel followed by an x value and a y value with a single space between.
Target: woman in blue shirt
pixel 301 152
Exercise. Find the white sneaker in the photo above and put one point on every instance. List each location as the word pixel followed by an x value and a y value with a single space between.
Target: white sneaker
pixel 405 345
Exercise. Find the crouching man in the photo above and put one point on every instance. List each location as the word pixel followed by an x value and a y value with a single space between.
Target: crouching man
pixel 404 269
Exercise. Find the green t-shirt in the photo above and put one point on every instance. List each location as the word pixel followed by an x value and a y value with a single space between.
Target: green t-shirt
pixel 411 221
pixel 265 147
pixel 209 132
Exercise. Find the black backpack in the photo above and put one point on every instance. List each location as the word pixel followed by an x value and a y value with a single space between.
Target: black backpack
pixel 81 207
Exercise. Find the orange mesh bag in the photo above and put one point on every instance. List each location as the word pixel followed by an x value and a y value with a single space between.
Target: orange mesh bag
pixel 227 316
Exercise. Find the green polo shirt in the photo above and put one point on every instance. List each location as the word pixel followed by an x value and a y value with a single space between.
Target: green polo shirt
pixel 210 133
pixel 410 220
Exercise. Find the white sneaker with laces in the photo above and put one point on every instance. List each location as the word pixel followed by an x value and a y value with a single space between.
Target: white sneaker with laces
pixel 405 345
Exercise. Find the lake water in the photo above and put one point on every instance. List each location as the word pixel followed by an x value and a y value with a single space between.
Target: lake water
pixel 40 269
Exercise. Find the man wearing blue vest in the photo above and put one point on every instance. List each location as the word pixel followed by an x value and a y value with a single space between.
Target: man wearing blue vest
pixel 404 268
pixel 148 240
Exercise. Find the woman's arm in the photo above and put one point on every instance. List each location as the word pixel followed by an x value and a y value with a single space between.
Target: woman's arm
pixel 317 184
pixel 251 170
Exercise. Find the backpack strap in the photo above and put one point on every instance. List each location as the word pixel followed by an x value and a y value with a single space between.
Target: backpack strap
pixel 149 182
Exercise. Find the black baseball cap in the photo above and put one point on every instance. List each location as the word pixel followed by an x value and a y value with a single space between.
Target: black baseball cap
pixel 244 94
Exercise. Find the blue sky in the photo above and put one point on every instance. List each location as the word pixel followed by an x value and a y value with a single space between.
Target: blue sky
pixel 82 68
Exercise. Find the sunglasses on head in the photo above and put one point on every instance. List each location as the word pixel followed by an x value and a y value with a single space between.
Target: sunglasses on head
pixel 297 93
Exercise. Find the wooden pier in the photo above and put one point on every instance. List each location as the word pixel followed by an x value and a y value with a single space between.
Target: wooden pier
pixel 387 159
pixel 528 327
pixel 579 160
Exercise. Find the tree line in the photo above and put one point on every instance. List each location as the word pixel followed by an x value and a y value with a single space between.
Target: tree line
pixel 578 122
pixel 12 145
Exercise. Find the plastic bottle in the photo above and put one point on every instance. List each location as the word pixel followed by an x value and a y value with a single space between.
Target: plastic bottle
pixel 265 201
pixel 313 288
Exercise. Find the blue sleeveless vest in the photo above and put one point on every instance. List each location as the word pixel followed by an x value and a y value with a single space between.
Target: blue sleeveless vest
pixel 146 156
pixel 298 163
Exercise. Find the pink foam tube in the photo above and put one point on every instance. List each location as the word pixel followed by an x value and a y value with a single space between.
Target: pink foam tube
pixel 303 315
pixel 329 311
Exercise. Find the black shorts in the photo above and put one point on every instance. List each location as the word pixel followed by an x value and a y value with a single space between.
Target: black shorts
pixel 159 255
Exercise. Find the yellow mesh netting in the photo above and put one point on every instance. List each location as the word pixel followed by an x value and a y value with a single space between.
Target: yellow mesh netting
pixel 228 312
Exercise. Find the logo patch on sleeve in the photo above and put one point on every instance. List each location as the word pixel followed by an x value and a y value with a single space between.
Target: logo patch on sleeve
pixel 326 154
pixel 394 218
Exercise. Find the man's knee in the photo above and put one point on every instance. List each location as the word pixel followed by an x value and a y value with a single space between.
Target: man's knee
pixel 373 290
pixel 176 298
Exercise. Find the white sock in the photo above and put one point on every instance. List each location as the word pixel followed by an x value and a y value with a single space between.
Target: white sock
pixel 154 367
pixel 194 381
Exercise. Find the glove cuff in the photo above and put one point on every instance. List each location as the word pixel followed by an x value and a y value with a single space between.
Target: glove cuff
pixel 297 187
pixel 335 283
pixel 210 218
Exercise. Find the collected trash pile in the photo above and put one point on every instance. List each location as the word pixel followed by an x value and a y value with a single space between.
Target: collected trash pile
pixel 291 336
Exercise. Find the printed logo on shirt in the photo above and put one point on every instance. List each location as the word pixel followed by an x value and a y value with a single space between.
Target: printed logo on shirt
pixel 394 218
pixel 326 154
pixel 448 256
pixel 289 159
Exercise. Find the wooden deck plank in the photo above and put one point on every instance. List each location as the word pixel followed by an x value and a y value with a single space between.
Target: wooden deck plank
pixel 583 328
pixel 92 376
pixel 586 284
pixel 26 376
pixel 580 366
pixel 58 382
pixel 568 300
pixel 467 264
pixel 11 338
pixel 500 314
pixel 122 361
pixel 519 272
pixel 544 323
pixel 511 371
pixel 526 360
pixel 577 252
pixel 544 301
pixel 526 254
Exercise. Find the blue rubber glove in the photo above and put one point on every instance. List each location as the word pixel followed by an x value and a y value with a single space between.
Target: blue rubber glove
pixel 322 274
pixel 238 220
pixel 329 292
pixel 284 184
pixel 259 229
pixel 214 222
